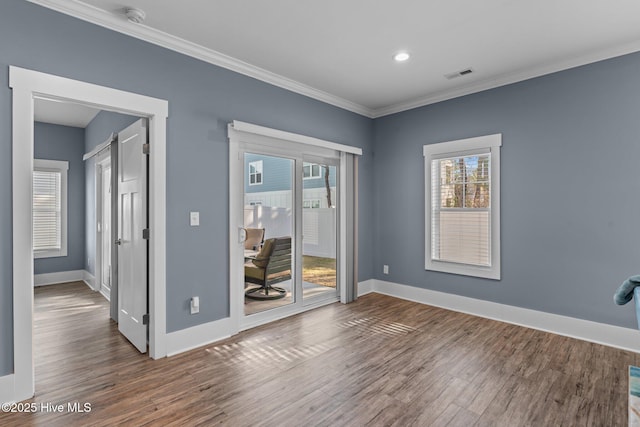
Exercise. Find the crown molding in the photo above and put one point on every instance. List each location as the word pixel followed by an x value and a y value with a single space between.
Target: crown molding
pixel 509 78
pixel 120 24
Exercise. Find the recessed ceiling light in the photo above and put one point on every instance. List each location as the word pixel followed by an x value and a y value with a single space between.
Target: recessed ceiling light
pixel 401 56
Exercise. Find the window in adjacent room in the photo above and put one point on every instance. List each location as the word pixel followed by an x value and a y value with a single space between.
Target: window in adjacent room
pixel 462 205
pixel 49 208
pixel 255 172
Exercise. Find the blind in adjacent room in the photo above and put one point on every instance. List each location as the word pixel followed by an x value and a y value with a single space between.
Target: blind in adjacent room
pixel 461 209
pixel 47 210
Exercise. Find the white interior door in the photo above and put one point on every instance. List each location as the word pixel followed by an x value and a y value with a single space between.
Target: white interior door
pixel 132 246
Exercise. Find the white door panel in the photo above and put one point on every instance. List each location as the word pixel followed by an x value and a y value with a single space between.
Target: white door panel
pixel 132 247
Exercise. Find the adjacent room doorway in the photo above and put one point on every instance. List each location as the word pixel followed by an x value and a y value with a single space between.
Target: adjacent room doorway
pixel 26 86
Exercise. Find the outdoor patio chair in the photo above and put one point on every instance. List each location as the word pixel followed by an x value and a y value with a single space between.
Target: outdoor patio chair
pixel 271 265
pixel 254 238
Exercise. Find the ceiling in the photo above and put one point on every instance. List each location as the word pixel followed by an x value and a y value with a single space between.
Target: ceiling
pixel 341 51
pixel 63 113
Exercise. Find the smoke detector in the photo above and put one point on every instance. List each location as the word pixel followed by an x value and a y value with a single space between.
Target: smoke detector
pixel 135 15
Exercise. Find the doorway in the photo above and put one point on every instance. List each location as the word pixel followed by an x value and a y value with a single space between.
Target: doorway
pixel 26 85
pixel 289 205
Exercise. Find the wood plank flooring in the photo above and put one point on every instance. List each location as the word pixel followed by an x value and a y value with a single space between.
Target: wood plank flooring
pixel 380 361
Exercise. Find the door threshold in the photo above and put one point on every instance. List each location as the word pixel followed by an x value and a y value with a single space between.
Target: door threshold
pixel 262 318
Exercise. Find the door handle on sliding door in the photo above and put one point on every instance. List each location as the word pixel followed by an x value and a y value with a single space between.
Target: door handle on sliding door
pixel 118 241
pixel 242 234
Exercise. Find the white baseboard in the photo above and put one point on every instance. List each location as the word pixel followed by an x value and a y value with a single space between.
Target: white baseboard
pixel 89 279
pixel 586 330
pixel 59 277
pixel 366 287
pixel 7 385
pixel 197 336
pixel 106 292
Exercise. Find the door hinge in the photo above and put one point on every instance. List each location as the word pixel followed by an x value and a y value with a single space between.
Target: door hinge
pixel 145 234
pixel 145 149
pixel 145 319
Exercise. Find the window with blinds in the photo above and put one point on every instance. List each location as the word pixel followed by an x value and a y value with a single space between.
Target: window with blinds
pixel 49 208
pixel 462 206
pixel 461 210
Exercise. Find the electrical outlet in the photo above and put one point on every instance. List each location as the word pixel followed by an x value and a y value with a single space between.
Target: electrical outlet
pixel 385 269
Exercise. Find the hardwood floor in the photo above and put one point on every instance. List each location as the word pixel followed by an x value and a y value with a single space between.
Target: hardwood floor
pixel 378 361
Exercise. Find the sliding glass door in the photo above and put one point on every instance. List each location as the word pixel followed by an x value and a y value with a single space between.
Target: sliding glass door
pixel 289 231
pixel 292 224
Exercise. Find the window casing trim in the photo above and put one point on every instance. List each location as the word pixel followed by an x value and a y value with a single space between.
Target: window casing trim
pixel 488 144
pixel 61 167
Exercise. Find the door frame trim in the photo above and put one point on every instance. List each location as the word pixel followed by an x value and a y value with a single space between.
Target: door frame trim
pixel 26 85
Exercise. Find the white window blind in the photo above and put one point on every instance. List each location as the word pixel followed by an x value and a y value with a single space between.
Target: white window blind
pixel 462 206
pixel 47 230
pixel 49 208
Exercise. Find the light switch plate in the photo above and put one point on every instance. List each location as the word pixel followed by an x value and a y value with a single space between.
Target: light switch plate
pixel 194 219
pixel 195 305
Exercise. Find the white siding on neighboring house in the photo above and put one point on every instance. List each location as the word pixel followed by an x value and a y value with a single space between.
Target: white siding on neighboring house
pixel 320 194
pixel 282 199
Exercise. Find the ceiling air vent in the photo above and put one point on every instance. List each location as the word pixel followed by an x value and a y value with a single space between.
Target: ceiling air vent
pixel 457 74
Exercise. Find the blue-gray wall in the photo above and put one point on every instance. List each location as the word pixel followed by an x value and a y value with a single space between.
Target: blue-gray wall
pixel 55 142
pixel 202 99
pixel 570 217
pixel 98 131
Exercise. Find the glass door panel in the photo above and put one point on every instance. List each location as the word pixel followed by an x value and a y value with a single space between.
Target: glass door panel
pixel 269 229
pixel 319 231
